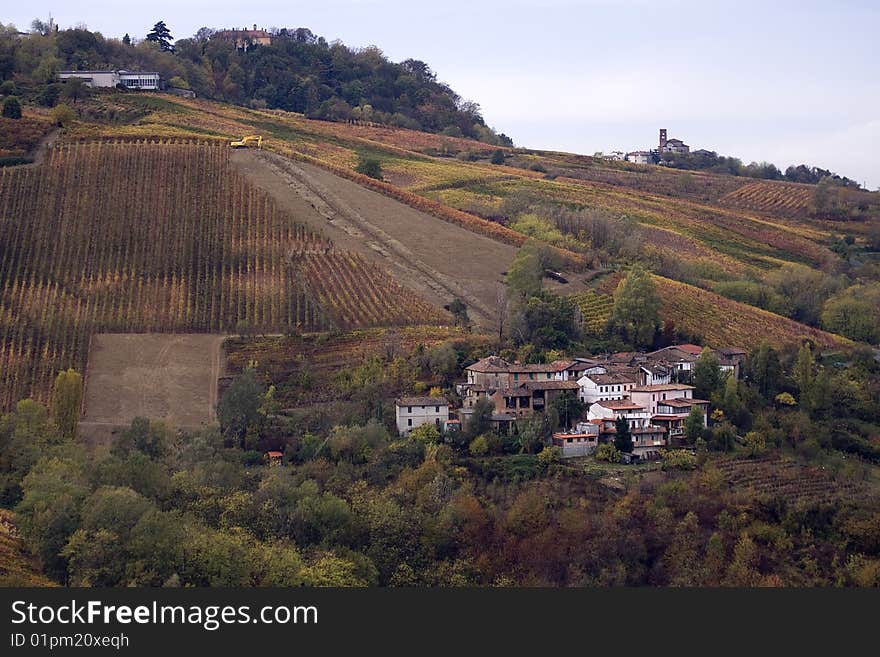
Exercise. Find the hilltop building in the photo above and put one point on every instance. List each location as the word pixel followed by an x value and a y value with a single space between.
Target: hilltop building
pixel 671 145
pixel 640 157
pixel 245 39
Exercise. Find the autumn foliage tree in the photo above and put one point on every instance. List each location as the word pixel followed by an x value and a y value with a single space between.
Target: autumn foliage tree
pixel 67 395
pixel 636 313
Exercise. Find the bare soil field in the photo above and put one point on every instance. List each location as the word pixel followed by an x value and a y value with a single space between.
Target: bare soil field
pixel 437 259
pixel 159 376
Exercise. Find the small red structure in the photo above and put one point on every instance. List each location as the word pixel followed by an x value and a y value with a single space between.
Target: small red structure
pixel 274 457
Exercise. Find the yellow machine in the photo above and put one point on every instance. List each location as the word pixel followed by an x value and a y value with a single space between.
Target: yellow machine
pixel 246 140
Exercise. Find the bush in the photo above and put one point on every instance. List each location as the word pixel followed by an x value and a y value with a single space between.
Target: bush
pixel 537 166
pixel 678 459
pixel 8 88
pixel 755 443
pixel 369 166
pixel 549 455
pixel 497 157
pixel 12 108
pixel 62 115
pixel 607 452
pixel 479 446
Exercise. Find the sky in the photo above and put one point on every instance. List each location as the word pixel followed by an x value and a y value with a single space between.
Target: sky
pixel 786 81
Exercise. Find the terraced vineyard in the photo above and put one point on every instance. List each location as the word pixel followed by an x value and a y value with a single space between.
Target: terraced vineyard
pixel 162 237
pixel 785 198
pixel 773 477
pixel 595 309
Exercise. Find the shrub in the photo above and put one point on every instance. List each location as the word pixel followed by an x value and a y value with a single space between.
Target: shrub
pixel 678 459
pixel 549 455
pixel 537 166
pixel 479 446
pixel 755 443
pixel 607 452
pixel 497 157
pixel 8 88
pixel 12 108
pixel 62 115
pixel 369 166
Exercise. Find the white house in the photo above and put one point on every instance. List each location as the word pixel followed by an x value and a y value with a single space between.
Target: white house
pixel 650 397
pixel 94 79
pixel 601 387
pixel 142 80
pixel 415 411
pixel 640 157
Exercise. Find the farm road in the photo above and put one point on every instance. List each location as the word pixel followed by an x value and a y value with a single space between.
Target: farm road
pixel 437 259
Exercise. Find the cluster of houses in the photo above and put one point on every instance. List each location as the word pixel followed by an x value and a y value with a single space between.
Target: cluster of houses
pixel 653 156
pixel 642 388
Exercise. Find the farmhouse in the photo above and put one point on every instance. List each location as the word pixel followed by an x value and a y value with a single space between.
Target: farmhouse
pixel 650 396
pixel 640 157
pixel 412 412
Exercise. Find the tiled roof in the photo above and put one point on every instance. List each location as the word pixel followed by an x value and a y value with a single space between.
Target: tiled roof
pixel 422 401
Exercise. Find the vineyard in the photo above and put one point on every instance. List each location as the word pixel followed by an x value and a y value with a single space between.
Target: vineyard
pixel 771 197
pixel 772 477
pixel 163 236
pixel 719 321
pixel 595 309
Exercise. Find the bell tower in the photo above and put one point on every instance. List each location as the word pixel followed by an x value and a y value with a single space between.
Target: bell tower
pixel 662 139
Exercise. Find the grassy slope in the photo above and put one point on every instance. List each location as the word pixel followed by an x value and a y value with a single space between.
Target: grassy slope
pixel 691 215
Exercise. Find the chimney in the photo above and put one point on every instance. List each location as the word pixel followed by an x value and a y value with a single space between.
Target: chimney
pixel 662 139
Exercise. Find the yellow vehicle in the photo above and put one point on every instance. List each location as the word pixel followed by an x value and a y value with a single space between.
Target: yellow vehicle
pixel 244 141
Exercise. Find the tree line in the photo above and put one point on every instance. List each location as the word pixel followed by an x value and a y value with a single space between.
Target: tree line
pixel 298 72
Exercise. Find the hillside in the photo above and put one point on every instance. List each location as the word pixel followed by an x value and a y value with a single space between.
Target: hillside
pixel 690 225
pixel 210 253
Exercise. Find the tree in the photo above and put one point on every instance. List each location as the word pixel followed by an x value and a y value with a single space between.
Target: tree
pixel 369 166
pixel 568 407
pixel 497 157
pixel 75 89
pixel 723 437
pixel 636 313
pixel 67 402
pixel 12 108
pixel 764 370
pixel 162 35
pixel 607 452
pixel 443 361
pixel 62 115
pixel 459 312
pixel 126 39
pixel 803 372
pixel 526 273
pixel 239 409
pixel 694 425
pixel 706 374
pixel 623 436
pixel 480 420
pixel 755 443
pixel 854 313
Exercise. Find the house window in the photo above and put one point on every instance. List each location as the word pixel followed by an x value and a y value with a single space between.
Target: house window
pixel 409 422
pixel 516 376
pixel 409 409
pixel 436 409
pixel 548 375
pixel 531 375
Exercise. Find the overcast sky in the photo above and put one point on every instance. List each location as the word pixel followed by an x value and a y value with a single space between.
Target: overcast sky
pixel 784 81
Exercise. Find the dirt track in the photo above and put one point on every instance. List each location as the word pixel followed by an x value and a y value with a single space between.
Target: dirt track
pixel 437 259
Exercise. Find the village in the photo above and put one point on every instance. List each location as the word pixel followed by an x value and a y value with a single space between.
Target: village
pixel 648 391
pixel 666 146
